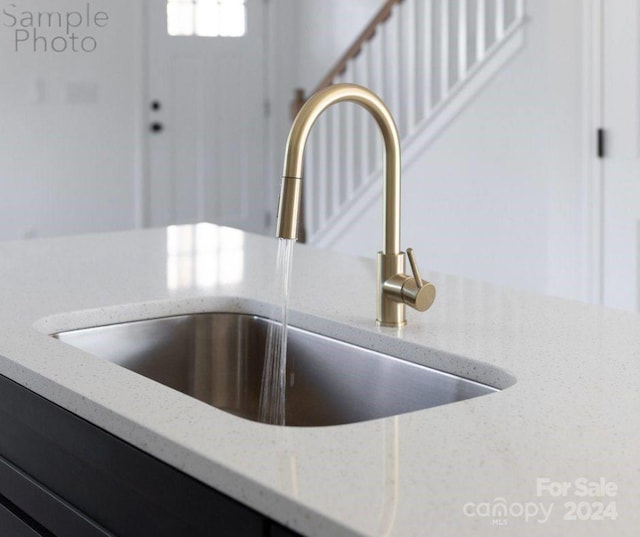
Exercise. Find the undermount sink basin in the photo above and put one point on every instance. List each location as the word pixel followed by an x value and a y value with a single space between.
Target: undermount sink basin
pixel 218 358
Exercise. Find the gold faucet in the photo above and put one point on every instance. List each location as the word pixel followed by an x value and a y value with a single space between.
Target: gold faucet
pixel 394 288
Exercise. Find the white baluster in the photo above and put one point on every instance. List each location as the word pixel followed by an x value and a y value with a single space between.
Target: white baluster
pixel 376 74
pixel 445 44
pixel 348 148
pixel 361 131
pixel 408 49
pixel 391 66
pixel 481 29
pixel 463 32
pixel 323 169
pixel 309 184
pixel 500 17
pixel 519 10
pixel 424 57
pixel 320 173
pixel 337 152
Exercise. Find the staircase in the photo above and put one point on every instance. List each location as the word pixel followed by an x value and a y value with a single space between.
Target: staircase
pixel 426 59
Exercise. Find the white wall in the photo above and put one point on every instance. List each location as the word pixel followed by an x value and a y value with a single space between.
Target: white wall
pixel 282 78
pixel 328 28
pixel 72 167
pixel 67 143
pixel 621 192
pixel 497 196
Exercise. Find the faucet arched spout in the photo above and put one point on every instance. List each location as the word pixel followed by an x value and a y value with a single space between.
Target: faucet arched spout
pixel 288 210
pixel 395 289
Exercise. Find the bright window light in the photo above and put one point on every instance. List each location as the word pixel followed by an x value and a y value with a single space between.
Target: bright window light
pixel 206 18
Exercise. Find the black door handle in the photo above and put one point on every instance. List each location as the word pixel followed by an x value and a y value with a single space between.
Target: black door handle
pixel 156 127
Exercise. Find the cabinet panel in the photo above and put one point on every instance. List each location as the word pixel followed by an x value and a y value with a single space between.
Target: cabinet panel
pixel 109 482
pixel 13 524
pixel 51 511
pixel 277 530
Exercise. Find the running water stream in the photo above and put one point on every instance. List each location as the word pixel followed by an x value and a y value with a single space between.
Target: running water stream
pixel 273 390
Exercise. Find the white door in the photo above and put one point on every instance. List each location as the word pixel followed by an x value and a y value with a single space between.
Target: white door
pixel 205 113
pixel 621 163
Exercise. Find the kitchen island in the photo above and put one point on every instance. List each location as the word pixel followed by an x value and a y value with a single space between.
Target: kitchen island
pixel 555 452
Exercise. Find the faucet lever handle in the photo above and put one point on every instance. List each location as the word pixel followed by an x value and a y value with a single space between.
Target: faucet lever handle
pixel 414 268
pixel 415 291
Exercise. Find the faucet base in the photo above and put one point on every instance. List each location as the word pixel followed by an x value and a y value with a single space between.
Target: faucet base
pixel 389 312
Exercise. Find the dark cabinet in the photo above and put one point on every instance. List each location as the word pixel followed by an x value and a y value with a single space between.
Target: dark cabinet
pixel 15 523
pixel 276 530
pixel 63 476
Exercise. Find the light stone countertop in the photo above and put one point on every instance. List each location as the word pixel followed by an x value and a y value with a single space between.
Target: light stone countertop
pixel 572 416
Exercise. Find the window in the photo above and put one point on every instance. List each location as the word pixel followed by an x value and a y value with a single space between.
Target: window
pixel 207 18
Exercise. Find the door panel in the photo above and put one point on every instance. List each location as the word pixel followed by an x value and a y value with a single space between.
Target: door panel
pixel 186 136
pixel 207 161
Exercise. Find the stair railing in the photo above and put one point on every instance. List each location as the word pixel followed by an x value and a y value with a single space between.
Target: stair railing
pixel 415 54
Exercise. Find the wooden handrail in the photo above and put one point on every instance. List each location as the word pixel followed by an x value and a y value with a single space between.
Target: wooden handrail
pixel 354 50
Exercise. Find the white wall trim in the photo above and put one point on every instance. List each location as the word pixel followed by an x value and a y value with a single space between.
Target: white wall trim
pixel 593 170
pixel 140 99
pixel 427 131
pixel 282 53
pixel 267 139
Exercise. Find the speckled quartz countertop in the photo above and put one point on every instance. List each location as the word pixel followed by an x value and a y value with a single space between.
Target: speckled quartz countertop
pixel 572 416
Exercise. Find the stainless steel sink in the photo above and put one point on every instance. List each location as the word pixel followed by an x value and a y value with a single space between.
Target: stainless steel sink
pixel 218 358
